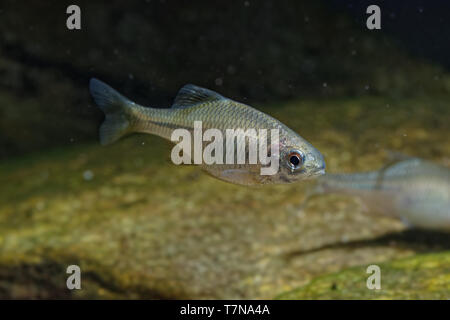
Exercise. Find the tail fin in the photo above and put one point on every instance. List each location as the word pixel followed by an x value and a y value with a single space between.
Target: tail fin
pixel 117 111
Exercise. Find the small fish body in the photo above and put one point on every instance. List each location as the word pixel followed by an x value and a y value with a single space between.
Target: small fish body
pixel 413 190
pixel 298 159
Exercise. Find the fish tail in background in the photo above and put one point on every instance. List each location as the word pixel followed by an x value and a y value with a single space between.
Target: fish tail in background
pixel 117 109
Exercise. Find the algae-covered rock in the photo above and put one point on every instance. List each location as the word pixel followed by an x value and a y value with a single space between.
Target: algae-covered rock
pixel 425 276
pixel 140 227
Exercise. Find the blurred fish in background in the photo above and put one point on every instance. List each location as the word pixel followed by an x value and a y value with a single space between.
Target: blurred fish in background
pixel 413 190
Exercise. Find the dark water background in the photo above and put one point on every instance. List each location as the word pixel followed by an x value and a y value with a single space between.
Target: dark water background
pixel 256 52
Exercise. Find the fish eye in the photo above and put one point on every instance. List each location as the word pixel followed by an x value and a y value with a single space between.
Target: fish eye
pixel 295 159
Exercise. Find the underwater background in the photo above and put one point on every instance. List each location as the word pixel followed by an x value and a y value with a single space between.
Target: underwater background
pixel 141 227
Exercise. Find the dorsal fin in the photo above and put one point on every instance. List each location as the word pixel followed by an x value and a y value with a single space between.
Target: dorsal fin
pixel 191 95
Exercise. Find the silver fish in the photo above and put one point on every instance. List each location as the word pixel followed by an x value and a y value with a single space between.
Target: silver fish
pixel 413 190
pixel 298 159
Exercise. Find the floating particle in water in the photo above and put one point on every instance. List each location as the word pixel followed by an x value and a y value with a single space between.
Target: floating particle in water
pixel 40 205
pixel 44 175
pixel 231 69
pixel 247 3
pixel 366 87
pixel 138 162
pixel 131 76
pixel 300 213
pixel 325 85
pixel 88 175
pixel 219 81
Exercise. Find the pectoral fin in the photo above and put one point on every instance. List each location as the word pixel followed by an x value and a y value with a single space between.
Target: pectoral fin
pixel 233 175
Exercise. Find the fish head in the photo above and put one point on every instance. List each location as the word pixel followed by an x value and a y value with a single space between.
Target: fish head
pixel 299 160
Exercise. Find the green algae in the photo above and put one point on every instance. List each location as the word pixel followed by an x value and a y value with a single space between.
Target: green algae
pixel 141 227
pixel 425 276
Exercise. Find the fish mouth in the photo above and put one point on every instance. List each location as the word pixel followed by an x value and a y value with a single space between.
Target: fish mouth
pixel 319 171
